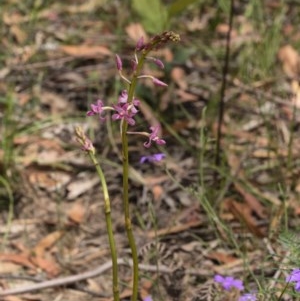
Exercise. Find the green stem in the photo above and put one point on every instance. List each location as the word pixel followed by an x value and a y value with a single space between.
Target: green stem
pixel 108 227
pixel 128 225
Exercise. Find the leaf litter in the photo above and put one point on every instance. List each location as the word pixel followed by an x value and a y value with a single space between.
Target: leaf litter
pixel 58 223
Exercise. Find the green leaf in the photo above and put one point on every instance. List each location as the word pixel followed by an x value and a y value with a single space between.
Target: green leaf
pixel 178 6
pixel 153 13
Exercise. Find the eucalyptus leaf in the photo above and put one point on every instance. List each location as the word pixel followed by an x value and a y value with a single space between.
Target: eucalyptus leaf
pixel 153 14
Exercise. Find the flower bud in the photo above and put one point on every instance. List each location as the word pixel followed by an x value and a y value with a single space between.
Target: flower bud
pixel 159 63
pixel 158 82
pixel 119 63
pixel 140 44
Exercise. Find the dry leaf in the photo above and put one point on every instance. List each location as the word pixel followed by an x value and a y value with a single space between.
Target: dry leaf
pixel 223 29
pixel 87 6
pixel 289 58
pixel 174 229
pixel 47 242
pixel 242 212
pixel 76 213
pixel 186 96
pixel 12 18
pixel 179 77
pixel 9 267
pixel 85 50
pixel 135 31
pixel 221 257
pixel 56 103
pixel 157 191
pixel 252 201
pixel 13 298
pixel 21 259
pixel 18 33
pixel 80 186
pixel 47 265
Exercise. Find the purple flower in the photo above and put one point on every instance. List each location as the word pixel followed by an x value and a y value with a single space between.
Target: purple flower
pixel 88 146
pixel 123 97
pixel 96 109
pixel 152 158
pixel 119 63
pixel 154 137
pixel 124 112
pixel 248 297
pixel 294 277
pixel 140 44
pixel 229 282
pixel 158 82
pixel 133 65
pixel 159 63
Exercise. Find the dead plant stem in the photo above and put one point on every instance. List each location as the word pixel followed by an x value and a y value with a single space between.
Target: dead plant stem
pixel 223 86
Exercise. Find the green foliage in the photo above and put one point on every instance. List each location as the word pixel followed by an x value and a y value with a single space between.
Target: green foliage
pixel 290 241
pixel 153 13
pixel 155 16
pixel 8 131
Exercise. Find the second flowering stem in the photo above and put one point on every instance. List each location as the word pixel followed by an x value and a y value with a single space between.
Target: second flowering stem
pixel 108 227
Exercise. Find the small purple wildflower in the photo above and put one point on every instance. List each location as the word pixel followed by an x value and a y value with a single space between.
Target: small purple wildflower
pixel 148 298
pixel 124 112
pixel 154 137
pixel 158 82
pixel 248 297
pixel 229 282
pixel 96 109
pixel 152 158
pixel 119 63
pixel 294 277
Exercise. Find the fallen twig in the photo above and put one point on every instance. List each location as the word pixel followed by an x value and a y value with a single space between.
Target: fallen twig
pixel 90 274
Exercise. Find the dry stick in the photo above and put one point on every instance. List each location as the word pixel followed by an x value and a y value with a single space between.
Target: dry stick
pixel 93 273
pixel 223 87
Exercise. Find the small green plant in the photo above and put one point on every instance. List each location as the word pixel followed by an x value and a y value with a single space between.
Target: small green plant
pixel 125 111
pixel 155 15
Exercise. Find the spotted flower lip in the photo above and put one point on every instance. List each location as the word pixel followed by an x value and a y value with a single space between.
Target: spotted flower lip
pixel 229 282
pixel 152 158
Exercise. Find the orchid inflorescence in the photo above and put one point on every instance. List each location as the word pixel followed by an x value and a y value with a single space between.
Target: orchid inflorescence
pixel 125 111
